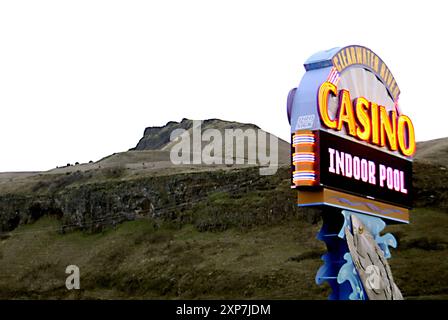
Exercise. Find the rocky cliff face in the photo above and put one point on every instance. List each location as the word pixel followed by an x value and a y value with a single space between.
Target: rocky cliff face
pixel 155 138
pixel 209 200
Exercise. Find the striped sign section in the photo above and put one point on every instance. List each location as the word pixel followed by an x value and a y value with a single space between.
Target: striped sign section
pixel 299 157
pixel 303 159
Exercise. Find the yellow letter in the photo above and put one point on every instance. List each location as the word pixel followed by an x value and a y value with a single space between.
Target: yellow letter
pixel 375 123
pixel 362 105
pixel 336 63
pixel 388 129
pixel 322 100
pixel 358 55
pixel 408 150
pixel 346 112
pixel 353 54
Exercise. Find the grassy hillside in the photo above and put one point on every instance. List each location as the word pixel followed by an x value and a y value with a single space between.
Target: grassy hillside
pixel 219 231
pixel 433 151
pixel 148 259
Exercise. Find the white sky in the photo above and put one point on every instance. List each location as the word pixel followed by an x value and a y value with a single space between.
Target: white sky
pixel 82 79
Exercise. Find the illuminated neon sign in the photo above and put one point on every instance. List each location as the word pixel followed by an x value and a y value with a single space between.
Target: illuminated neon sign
pixel 351 146
pixel 367 120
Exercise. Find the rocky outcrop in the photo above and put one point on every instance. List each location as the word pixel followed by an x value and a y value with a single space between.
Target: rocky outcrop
pixel 155 138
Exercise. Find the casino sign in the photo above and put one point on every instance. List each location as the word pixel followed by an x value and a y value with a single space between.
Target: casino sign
pixel 352 146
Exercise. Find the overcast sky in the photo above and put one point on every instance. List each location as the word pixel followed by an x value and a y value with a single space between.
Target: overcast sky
pixel 82 79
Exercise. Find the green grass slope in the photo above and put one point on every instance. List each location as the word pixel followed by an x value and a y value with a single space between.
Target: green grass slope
pixel 146 259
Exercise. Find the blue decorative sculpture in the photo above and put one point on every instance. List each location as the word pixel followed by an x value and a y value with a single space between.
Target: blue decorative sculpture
pixel 338 268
